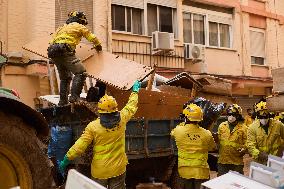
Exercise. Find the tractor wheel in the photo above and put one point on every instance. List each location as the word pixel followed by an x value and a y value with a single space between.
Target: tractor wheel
pixel 22 159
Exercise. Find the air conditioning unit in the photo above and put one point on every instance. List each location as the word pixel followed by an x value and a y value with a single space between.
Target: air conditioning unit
pixel 194 52
pixel 162 41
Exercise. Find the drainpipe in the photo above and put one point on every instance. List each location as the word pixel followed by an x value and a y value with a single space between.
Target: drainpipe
pixel 5 26
pixel 242 42
pixel 109 30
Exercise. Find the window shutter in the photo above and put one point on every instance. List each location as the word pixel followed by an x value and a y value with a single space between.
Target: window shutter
pixel 166 3
pixel 219 19
pixel 257 44
pixel 63 7
pixel 129 3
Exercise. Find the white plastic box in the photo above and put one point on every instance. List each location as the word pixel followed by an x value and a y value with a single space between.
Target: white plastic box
pixel 76 180
pixel 266 175
pixel 275 163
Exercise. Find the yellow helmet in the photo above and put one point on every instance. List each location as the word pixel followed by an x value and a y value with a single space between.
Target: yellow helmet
pixel 193 112
pixel 107 104
pixel 261 108
pixel 81 16
pixel 234 109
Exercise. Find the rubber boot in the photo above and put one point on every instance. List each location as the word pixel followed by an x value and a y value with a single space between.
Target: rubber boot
pixel 64 91
pixel 77 86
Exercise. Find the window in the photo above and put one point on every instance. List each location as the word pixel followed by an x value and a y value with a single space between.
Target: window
pixel 160 18
pixel 219 35
pixel 126 19
pixel 257 46
pixel 257 60
pixel 213 34
pixel 187 29
pixel 194 28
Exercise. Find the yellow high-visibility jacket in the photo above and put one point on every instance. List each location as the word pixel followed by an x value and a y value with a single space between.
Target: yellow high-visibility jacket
pixel 193 144
pixel 248 120
pixel 109 157
pixel 72 34
pixel 231 142
pixel 258 140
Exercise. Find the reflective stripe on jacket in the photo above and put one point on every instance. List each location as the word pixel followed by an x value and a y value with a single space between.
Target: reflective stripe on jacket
pixel 231 142
pixel 109 157
pixel 193 144
pixel 72 34
pixel 258 140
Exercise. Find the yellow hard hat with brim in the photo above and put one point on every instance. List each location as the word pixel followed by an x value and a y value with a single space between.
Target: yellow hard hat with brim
pixel 107 104
pixel 193 112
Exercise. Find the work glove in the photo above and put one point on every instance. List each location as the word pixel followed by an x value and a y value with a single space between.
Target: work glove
pixel 98 48
pixel 263 156
pixel 63 164
pixel 136 87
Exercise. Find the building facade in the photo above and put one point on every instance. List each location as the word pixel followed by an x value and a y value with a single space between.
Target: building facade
pixel 239 40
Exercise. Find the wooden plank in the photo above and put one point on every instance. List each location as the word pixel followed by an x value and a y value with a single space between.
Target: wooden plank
pixel 115 70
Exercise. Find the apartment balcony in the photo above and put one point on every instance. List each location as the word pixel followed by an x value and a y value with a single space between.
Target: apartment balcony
pixel 138 48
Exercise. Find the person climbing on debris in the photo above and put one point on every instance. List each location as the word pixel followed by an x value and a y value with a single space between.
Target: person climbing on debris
pixel 193 143
pixel 264 135
pixel 107 133
pixel 62 53
pixel 232 135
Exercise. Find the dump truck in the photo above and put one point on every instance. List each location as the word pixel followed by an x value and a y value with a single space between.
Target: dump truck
pixel 151 151
pixel 149 147
pixel 23 131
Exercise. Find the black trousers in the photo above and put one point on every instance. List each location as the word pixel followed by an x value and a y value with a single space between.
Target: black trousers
pixel 225 168
pixel 191 183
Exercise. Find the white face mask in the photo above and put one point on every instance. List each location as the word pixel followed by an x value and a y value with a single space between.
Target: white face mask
pixel 231 119
pixel 263 121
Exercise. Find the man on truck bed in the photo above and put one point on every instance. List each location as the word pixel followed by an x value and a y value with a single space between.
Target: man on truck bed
pixel 232 136
pixel 264 135
pixel 193 144
pixel 62 52
pixel 108 136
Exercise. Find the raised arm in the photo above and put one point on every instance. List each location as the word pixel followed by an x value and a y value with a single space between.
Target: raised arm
pixel 131 107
